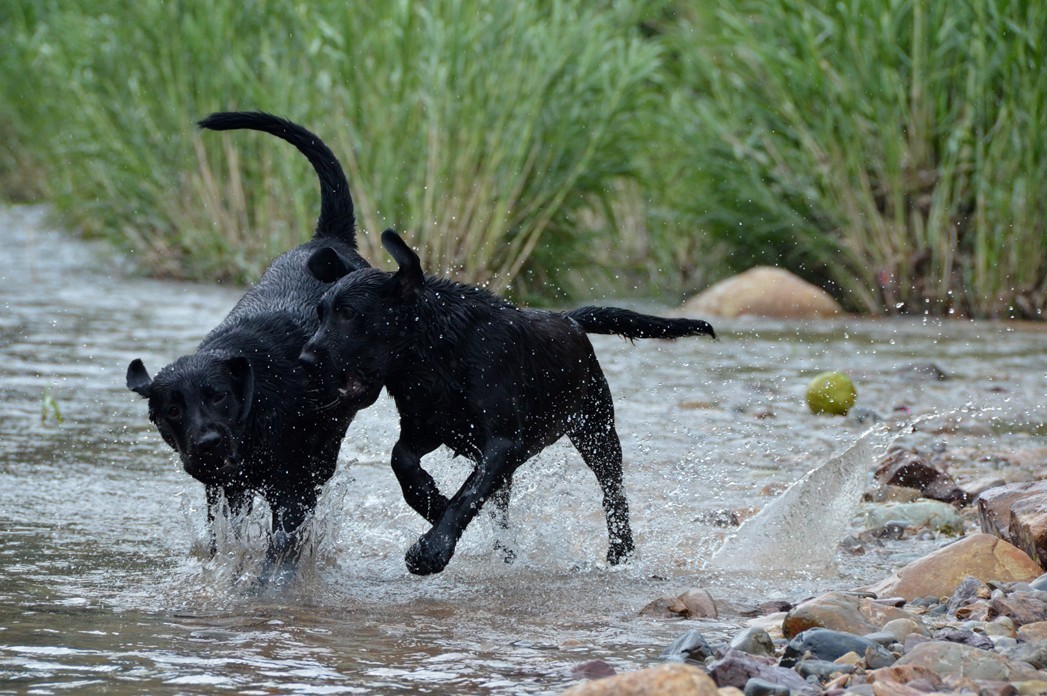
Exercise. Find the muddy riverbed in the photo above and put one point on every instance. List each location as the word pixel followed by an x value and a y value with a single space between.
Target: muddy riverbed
pixel 104 585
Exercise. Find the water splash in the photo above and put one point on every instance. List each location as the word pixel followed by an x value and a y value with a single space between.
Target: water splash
pixel 797 530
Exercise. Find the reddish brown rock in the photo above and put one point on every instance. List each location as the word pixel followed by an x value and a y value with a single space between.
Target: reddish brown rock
pixel 1035 632
pixel 842 611
pixel 903 674
pixel 994 506
pixel 981 556
pixel 1021 607
pixel 692 604
pixel 698 604
pixel 1029 524
pixel 914 470
pixel 664 680
pixel 764 292
pixel 1017 513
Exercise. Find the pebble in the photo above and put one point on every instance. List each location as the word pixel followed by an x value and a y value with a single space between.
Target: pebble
pixel 690 647
pixel 753 640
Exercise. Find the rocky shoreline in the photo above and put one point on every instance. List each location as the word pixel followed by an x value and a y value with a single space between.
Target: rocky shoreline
pixel 967 618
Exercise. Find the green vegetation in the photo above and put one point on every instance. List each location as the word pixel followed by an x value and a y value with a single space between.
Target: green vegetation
pixel 893 150
pixel 49 407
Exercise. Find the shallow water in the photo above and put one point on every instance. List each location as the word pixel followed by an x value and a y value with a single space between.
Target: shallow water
pixel 103 584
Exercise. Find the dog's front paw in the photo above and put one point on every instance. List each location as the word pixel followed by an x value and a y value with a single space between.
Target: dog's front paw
pixel 429 555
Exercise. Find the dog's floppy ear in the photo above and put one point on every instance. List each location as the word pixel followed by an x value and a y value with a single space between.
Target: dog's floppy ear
pixel 327 265
pixel 409 278
pixel 138 379
pixel 243 381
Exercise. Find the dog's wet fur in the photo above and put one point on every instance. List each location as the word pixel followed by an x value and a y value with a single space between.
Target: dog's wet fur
pixel 240 411
pixel 471 371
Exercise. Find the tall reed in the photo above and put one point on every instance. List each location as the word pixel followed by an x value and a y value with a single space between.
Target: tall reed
pixel 475 127
pixel 895 148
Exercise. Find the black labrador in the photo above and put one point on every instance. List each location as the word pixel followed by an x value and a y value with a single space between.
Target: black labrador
pixel 239 411
pixel 471 371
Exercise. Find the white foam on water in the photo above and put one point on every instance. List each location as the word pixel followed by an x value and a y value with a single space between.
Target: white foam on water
pixel 798 530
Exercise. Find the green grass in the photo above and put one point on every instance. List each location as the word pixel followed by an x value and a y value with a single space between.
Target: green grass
pixel 893 151
pixel 475 128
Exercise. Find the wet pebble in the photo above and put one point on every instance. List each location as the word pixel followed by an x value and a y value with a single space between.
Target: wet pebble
pixel 762 687
pixel 736 668
pixel 824 644
pixel 753 640
pixel 929 514
pixel 823 670
pixel 593 669
pixel 964 636
pixel 690 647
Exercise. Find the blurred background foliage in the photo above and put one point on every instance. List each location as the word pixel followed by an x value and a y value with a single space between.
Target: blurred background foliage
pixel 891 151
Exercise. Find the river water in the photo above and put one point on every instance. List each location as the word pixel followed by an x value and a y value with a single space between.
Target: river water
pixel 104 586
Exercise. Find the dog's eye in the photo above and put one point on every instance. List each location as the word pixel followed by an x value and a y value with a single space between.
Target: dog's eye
pixel 173 412
pixel 344 313
pixel 217 398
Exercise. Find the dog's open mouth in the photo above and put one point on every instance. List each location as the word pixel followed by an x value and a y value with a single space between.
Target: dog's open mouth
pixel 230 466
pixel 218 471
pixel 354 387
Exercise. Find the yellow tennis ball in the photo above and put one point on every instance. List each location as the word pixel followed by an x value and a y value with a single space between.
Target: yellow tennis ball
pixel 831 392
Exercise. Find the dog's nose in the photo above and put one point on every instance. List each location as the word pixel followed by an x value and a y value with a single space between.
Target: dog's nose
pixel 209 440
pixel 307 358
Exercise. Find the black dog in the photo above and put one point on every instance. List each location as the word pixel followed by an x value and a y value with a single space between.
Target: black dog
pixel 471 371
pixel 240 412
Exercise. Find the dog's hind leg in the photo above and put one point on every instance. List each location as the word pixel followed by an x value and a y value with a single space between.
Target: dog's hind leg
pixel 500 513
pixel 597 441
pixel 419 488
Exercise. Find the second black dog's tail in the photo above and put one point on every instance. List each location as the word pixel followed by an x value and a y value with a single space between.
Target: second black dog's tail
pixel 337 218
pixel 628 324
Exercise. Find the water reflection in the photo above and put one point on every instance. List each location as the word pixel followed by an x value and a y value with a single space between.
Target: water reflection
pixel 102 584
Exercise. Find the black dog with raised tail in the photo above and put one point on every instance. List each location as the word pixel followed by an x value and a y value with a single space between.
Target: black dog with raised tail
pixel 471 371
pixel 239 411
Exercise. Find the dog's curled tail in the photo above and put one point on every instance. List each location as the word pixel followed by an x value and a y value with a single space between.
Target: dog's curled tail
pixel 337 218
pixel 632 325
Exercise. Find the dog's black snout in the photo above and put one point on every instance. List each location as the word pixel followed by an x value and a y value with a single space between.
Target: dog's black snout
pixel 209 440
pixel 308 358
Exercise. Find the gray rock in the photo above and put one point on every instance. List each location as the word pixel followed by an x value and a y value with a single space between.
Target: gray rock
pixel 972 663
pixel 754 641
pixel 1034 654
pixel 736 668
pixel 824 644
pixel 759 687
pixel 822 670
pixel 1021 607
pixel 690 647
pixel 884 638
pixel 922 513
pixel 964 636
pixel 969 590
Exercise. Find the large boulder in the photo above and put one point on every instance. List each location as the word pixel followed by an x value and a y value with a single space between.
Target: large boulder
pixel 981 556
pixel 764 291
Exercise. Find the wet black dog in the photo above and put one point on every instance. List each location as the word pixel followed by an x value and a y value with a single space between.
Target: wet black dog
pixel 471 371
pixel 240 412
